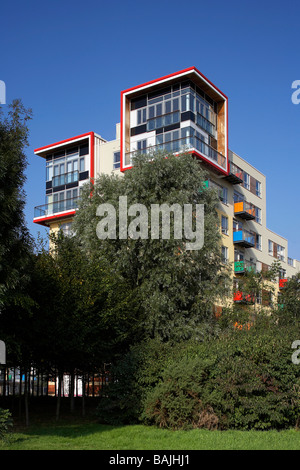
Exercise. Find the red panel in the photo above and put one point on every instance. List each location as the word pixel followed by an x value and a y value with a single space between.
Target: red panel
pixel 66 141
pixel 43 220
pixel 282 283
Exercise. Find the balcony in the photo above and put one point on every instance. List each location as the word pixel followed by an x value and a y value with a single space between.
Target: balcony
pixel 56 207
pixel 282 283
pixel 241 267
pixel 235 175
pixel 244 238
pixel 66 178
pixel 185 144
pixel 244 210
pixel 240 297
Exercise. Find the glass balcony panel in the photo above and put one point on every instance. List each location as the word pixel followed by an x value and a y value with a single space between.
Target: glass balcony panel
pixel 56 207
pixel 185 144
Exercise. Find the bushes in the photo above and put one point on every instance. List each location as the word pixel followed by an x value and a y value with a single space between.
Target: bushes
pixel 178 402
pixel 5 423
pixel 243 380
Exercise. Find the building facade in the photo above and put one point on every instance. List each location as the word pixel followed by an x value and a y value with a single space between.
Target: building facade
pixel 181 112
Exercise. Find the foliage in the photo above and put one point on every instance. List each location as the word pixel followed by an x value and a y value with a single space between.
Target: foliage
pixel 245 379
pixel 15 241
pixel 5 423
pixel 176 287
pixel 289 302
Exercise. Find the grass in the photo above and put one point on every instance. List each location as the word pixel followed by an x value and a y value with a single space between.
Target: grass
pixel 89 435
pixel 72 432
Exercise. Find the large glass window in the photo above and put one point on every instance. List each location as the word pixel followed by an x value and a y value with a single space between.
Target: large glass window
pixel 63 166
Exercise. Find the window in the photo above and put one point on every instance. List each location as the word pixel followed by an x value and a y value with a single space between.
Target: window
pixel 141 146
pixel 67 229
pixel 246 180
pixel 258 188
pixel 81 165
pixel 238 197
pixel 258 242
pixel 224 225
pixel 280 252
pixel 270 247
pixel 221 190
pixel 116 163
pixel 282 274
pixel 258 215
pixel 224 195
pixel 224 254
pixel 290 262
pixel 141 116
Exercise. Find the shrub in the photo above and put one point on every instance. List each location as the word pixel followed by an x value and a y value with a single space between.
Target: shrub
pixel 178 402
pixel 5 423
pixel 245 380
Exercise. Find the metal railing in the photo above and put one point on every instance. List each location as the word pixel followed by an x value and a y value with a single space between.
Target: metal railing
pixel 55 207
pixel 243 236
pixel 243 266
pixel 185 144
pixel 235 170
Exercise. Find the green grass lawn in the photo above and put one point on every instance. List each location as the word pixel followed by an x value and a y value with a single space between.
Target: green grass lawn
pixel 78 435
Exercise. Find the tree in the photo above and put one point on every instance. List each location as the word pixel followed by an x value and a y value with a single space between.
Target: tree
pixel 81 315
pixel 289 302
pixel 15 241
pixel 176 287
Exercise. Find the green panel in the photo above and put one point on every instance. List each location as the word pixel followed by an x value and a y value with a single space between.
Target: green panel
pixel 239 266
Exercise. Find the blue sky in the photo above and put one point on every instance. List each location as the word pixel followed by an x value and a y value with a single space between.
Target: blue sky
pixel 69 60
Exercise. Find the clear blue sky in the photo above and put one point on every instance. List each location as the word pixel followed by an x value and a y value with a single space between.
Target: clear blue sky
pixel 69 60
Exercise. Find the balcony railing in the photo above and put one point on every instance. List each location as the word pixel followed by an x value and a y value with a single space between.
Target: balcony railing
pixel 245 210
pixel 240 297
pixel 56 207
pixel 244 238
pixel 185 144
pixel 240 267
pixel 236 174
pixel 66 178
pixel 282 283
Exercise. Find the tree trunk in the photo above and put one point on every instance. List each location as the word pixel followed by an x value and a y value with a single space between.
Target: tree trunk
pixel 58 400
pixel 72 389
pixel 83 396
pixel 26 404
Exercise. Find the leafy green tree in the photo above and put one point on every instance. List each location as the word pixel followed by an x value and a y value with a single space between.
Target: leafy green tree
pixel 83 312
pixel 176 287
pixel 15 241
pixel 289 302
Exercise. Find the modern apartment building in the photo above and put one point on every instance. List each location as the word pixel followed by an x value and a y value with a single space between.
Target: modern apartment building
pixel 181 112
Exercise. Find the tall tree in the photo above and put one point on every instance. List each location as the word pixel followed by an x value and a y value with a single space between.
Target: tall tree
pixel 15 240
pixel 176 286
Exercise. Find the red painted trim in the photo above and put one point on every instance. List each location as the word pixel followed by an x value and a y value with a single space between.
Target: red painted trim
pixel 40 149
pixel 171 75
pixel 92 155
pixel 121 133
pixel 198 155
pixel 42 220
